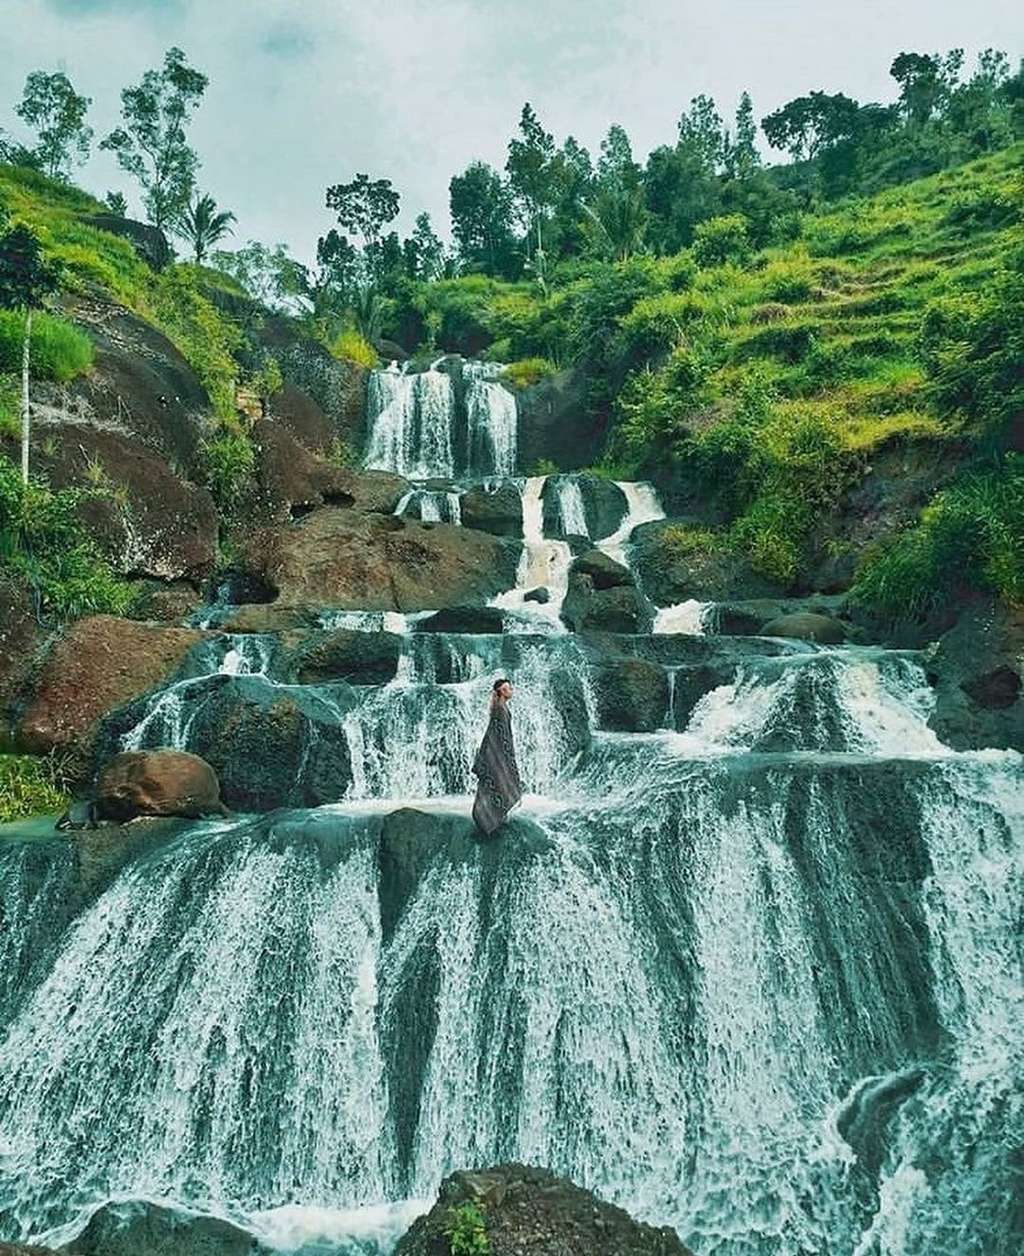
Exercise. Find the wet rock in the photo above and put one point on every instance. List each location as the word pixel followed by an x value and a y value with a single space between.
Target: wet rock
pixel 671 568
pixel 806 626
pixel 540 595
pixel 147 520
pixel 467 619
pixel 157 783
pixel 345 559
pixel 166 603
pixel 632 696
pixel 289 481
pixel 499 512
pixel 605 572
pixel 23 1249
pixel 978 669
pixel 140 1228
pixel 620 608
pixel 97 664
pixel 604 504
pixel 529 1210
pixel 264 617
pixel 361 658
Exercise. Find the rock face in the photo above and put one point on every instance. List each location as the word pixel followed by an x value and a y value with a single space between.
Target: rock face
pixel 21 636
pixel 604 505
pixel 157 783
pixel 98 664
pixel 556 423
pixel 148 241
pixel 632 696
pixel 605 572
pixel 500 512
pixel 979 680
pixel 147 520
pixel 531 1212
pixel 806 626
pixel 289 480
pixel 468 619
pixel 341 558
pixel 361 658
pixel 602 597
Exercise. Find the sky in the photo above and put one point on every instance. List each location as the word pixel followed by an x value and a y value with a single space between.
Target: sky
pixel 305 93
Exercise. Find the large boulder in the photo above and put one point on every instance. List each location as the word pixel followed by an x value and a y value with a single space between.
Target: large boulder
pixel 499 511
pixel 604 571
pixel 157 783
pixel 673 566
pixel 141 1228
pixel 148 241
pixel 21 636
pixel 464 619
pixel 342 558
pixel 978 672
pixel 604 505
pixel 148 520
pixel 98 664
pixel 289 481
pixel 531 1211
pixel 361 658
pixel 619 608
pixel 632 696
pixel 806 626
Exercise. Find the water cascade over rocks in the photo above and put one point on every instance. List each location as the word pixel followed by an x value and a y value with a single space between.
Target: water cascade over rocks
pixel 754 973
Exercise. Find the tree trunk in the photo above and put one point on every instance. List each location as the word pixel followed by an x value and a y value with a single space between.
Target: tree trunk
pixel 26 421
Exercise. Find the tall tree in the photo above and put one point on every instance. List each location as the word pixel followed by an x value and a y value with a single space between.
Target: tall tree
pixel 269 275
pixel 57 112
pixel 152 144
pixel 423 251
pixel 616 164
pixel 26 280
pixel 202 225
pixel 117 204
pixel 529 166
pixel 926 81
pixel 807 125
pixel 365 205
pixel 702 134
pixel 481 211
pixel 742 156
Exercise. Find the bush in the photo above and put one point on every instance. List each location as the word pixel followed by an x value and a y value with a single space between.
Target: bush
pixel 352 346
pixel 678 271
pixel 655 324
pixel 10 407
pixel 59 350
pixel 653 406
pixel 527 371
pixel 465 1228
pixel 28 786
pixel 720 240
pixel 42 539
pixel 228 463
pixel 969 538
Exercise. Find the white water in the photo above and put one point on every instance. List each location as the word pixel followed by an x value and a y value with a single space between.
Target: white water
pixel 687 617
pixel 492 420
pixel 544 564
pixel 571 513
pixel 431 505
pixel 410 420
pixel 642 506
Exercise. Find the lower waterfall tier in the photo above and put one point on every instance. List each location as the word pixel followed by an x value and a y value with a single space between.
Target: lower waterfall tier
pixel 772 999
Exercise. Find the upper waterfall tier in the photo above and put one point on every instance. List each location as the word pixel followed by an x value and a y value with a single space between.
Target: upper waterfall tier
pixel 454 419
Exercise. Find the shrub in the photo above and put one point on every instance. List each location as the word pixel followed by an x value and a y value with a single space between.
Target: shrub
pixel 720 240
pixel 787 282
pixel 352 346
pixel 28 786
pixel 42 539
pixel 59 350
pixel 527 371
pixel 465 1228
pixel 970 537
pixel 10 407
pixel 655 324
pixel 228 463
pixel 678 271
pixel 653 405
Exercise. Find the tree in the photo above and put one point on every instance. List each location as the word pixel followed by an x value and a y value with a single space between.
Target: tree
pixel 616 166
pixel 269 275
pixel 742 157
pixel 423 251
pixel 152 144
pixel 202 225
pixel 481 211
pixel 807 125
pixel 117 204
pixel 55 110
pixel 364 205
pixel 26 280
pixel 926 82
pixel 702 134
pixel 616 222
pixel 529 166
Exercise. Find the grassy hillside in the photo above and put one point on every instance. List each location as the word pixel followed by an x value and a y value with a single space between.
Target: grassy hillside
pixel 757 387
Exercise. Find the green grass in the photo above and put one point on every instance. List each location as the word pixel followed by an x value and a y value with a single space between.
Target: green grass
pixel 28 786
pixel 59 350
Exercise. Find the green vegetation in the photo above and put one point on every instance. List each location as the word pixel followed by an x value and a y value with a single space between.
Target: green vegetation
pixel 42 540
pixel 59 350
pixel 466 1230
pixel 229 460
pixel 29 786
pixel 527 371
pixel 352 346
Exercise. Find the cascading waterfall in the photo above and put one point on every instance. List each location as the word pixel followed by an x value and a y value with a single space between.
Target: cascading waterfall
pixel 492 419
pixel 759 979
pixel 431 505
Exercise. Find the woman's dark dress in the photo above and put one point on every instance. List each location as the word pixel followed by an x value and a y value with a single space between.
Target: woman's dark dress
pixel 498 788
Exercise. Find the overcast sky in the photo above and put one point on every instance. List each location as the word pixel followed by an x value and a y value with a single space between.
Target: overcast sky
pixel 304 93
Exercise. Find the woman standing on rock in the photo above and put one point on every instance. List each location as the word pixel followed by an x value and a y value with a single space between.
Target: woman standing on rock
pixel 499 788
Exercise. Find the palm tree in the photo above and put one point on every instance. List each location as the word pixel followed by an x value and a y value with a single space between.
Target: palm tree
pixel 616 222
pixel 202 226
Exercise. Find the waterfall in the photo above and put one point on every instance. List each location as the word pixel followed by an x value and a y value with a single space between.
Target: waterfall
pixel 642 506
pixel 571 513
pixel 544 564
pixel 410 418
pixel 492 420
pixel 431 505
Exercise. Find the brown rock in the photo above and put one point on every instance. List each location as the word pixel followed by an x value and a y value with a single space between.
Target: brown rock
pixel 157 783
pixel 96 665
pixel 528 1210
pixel 345 559
pixel 806 626
pixel 21 636
pixel 290 480
pixel 267 617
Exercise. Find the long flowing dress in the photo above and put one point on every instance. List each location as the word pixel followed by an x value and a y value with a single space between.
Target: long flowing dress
pixel 498 785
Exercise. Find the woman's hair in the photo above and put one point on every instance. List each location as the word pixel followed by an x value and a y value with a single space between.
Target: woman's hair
pixel 496 698
pixel 502 680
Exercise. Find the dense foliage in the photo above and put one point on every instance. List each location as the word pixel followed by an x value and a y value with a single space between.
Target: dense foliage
pixel 29 786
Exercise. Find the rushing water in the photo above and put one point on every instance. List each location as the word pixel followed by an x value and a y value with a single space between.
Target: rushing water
pixel 757 975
